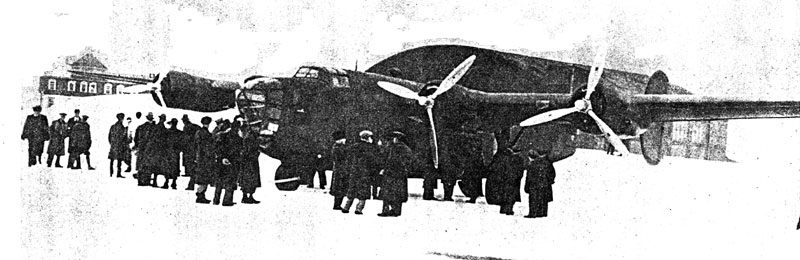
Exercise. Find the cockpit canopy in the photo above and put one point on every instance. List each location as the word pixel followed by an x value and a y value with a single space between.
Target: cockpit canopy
pixel 333 77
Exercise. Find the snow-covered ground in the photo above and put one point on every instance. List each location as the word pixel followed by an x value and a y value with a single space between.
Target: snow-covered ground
pixel 605 207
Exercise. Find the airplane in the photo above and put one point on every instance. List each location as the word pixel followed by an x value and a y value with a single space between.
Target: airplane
pixel 457 105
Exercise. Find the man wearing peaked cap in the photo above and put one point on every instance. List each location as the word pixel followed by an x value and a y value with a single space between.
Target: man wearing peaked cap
pixel 58 132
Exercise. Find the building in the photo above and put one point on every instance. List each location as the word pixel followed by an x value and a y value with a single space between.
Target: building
pixel 87 76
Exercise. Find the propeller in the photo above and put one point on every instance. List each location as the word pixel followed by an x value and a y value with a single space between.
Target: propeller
pixel 428 101
pixel 154 87
pixel 585 105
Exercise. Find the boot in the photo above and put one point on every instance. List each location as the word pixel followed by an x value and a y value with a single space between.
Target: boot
pixel 253 200
pixel 174 185
pixel 89 163
pixel 58 161
pixel 201 198
pixel 427 194
pixel 49 160
pixel 246 199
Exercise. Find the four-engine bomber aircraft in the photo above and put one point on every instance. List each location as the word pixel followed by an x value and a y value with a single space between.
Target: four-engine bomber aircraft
pixel 481 98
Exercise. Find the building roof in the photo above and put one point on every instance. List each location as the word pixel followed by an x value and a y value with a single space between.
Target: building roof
pixel 88 62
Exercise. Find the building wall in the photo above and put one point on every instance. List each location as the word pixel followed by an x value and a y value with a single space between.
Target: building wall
pixel 51 85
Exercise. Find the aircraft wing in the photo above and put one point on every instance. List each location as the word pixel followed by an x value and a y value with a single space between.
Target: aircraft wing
pixel 698 107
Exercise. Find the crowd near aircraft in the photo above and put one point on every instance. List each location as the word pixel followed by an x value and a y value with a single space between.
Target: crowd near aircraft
pixel 457 105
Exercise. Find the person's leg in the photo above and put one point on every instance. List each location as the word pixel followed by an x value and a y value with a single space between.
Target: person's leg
pixel 49 160
pixel 110 167
pixel 360 206
pixel 58 161
pixel 347 205
pixel 337 203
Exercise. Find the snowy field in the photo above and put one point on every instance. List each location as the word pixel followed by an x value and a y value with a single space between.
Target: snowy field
pixel 605 208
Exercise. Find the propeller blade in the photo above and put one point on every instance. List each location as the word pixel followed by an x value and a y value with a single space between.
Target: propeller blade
pixel 429 109
pixel 453 77
pixel 596 71
pixel 609 134
pixel 547 116
pixel 398 90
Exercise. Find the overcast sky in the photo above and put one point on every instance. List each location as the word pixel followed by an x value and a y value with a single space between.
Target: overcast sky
pixel 734 47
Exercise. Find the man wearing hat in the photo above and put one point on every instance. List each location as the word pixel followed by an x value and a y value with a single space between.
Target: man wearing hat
pixel 118 141
pixel 539 183
pixel 189 150
pixel 58 132
pixel 143 144
pixel 173 139
pixel 36 131
pixel 340 175
pixel 80 141
pixel 399 163
pixel 206 160
pixel 364 167
pixel 74 119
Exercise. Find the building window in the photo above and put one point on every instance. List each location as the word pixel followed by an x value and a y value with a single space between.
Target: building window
pixel 51 84
pixel 93 88
pixel 71 86
pixel 119 87
pixel 84 86
pixel 107 88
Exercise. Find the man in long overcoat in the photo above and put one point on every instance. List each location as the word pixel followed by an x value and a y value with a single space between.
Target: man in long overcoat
pixel 206 158
pixel 80 141
pixel 158 137
pixel 172 140
pixel 144 146
pixel 339 177
pixel 539 184
pixel 189 150
pixel 364 167
pixel 37 132
pixel 245 152
pixel 118 149
pixel 55 148
pixel 503 183
pixel 398 164
pixel 225 175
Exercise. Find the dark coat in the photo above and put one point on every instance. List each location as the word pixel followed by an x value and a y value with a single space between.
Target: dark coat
pixel 37 132
pixel 173 140
pixel 364 166
pixel 243 152
pixel 189 146
pixel 145 144
pixel 505 177
pixel 540 179
pixel 226 175
pixel 58 132
pixel 161 144
pixel 71 122
pixel 205 156
pixel 341 174
pixel 118 140
pixel 80 138
pixel 398 164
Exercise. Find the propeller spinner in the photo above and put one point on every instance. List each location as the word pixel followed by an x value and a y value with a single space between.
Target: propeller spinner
pixel 584 105
pixel 428 101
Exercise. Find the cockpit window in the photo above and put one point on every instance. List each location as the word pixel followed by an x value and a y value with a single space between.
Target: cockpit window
pixel 307 73
pixel 340 81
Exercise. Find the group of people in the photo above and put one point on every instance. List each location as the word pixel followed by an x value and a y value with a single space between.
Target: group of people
pixel 37 132
pixel 363 166
pixel 503 184
pixel 225 157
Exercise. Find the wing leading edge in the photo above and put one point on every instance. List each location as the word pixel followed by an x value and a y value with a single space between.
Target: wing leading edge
pixel 663 108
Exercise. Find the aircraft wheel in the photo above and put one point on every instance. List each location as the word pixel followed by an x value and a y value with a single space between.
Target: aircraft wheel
pixel 287 178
